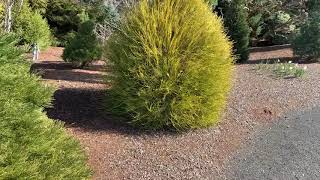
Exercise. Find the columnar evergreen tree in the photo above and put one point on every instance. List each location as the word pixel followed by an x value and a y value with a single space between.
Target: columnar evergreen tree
pixel 236 22
pixel 307 42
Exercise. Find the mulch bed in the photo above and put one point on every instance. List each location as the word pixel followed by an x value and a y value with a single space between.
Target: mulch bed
pixel 117 151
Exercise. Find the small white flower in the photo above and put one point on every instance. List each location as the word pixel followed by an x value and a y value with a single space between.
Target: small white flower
pixel 305 67
pixel 290 62
pixel 291 68
pixel 296 65
pixel 278 60
pixel 282 67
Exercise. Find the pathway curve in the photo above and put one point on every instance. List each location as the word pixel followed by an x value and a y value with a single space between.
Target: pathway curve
pixel 287 149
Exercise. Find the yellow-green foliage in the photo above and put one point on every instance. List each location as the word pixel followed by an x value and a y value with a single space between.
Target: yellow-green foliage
pixel 32 28
pixel 32 146
pixel 172 65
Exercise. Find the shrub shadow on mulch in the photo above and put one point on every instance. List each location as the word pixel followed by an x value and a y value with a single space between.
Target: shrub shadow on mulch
pixel 85 108
pixel 74 76
pixel 57 65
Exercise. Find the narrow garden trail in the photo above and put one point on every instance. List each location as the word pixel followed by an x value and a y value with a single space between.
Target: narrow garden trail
pixel 117 151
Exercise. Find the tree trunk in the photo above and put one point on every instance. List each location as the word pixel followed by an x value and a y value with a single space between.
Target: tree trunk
pixel 8 16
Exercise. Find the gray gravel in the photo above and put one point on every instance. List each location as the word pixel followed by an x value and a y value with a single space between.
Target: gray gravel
pixel 287 149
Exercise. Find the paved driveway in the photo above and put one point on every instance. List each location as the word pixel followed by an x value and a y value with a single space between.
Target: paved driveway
pixel 287 149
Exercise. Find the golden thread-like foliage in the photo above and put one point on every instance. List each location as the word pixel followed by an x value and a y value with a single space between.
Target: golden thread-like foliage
pixel 172 65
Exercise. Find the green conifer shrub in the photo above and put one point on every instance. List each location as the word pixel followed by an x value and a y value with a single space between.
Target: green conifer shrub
pixel 84 47
pixel 32 146
pixel 235 17
pixel 307 42
pixel 172 65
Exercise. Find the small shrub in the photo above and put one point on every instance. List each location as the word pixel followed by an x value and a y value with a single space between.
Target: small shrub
pixel 84 47
pixel 283 70
pixel 307 42
pixel 32 28
pixel 172 65
pixel 236 23
pixel 32 146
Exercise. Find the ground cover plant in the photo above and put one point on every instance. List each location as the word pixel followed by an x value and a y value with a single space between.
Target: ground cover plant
pixel 32 146
pixel 172 65
pixel 283 69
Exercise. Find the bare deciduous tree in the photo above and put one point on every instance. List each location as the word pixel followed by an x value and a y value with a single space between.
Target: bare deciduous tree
pixel 8 20
pixel 8 15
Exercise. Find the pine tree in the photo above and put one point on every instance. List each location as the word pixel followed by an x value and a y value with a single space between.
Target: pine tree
pixel 84 47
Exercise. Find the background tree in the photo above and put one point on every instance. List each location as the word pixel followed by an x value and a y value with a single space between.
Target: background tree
pixel 106 18
pixel 63 18
pixel 275 21
pixel 8 15
pixel 235 17
pixel 39 5
pixel 32 28
pixel 2 15
pixel 307 41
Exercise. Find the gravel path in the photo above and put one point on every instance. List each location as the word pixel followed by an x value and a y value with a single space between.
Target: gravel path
pixel 117 151
pixel 287 149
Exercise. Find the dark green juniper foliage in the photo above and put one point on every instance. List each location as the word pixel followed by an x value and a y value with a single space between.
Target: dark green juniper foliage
pixel 84 47
pixel 32 146
pixel 235 17
pixel 307 42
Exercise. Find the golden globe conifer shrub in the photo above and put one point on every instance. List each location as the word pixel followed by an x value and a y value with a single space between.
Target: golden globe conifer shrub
pixel 172 65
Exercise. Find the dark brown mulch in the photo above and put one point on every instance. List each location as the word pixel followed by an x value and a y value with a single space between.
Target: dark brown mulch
pixel 117 151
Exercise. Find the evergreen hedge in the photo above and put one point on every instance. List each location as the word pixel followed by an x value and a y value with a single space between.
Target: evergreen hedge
pixel 172 65
pixel 32 146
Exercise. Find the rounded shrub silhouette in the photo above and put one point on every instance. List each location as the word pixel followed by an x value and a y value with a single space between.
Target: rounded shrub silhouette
pixel 172 65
